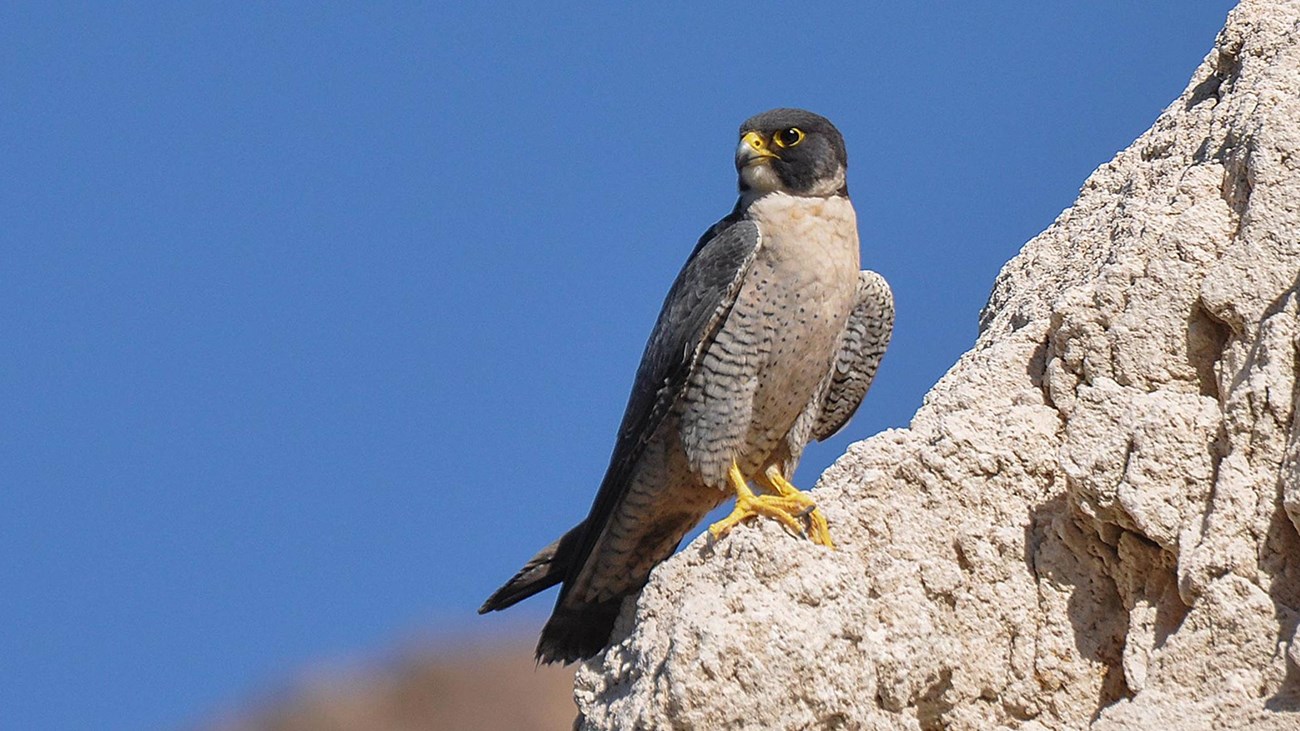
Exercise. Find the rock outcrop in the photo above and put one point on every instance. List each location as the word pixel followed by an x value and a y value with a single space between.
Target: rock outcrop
pixel 1092 520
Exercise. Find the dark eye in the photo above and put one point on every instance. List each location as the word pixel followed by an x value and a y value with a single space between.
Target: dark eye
pixel 788 137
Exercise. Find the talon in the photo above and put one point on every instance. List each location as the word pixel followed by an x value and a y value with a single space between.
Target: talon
pixel 789 507
pixel 819 531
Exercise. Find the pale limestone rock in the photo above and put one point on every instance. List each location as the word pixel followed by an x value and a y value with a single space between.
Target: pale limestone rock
pixel 1092 520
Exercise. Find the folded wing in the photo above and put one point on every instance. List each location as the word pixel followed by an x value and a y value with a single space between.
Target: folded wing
pixel 862 345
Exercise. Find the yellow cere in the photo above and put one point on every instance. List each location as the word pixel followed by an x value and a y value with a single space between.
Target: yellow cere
pixel 755 140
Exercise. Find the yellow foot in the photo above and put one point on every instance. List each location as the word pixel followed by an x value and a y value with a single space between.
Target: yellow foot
pixel 788 507
pixel 818 532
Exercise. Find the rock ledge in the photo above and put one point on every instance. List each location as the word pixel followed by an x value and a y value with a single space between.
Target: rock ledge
pixel 1092 520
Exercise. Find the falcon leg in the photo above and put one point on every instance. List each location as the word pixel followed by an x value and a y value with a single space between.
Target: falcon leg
pixel 773 480
pixel 785 507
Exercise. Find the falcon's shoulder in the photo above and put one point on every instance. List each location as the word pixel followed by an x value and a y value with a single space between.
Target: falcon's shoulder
pixel 862 345
pixel 703 293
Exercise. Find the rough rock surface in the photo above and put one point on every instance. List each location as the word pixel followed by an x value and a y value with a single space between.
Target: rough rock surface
pixel 1092 521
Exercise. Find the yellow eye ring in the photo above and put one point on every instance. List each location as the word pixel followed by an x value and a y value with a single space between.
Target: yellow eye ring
pixel 788 137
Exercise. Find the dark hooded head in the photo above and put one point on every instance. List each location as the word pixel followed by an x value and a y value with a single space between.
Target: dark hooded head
pixel 791 151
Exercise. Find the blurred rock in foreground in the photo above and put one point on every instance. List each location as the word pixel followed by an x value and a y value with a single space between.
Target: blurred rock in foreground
pixel 476 687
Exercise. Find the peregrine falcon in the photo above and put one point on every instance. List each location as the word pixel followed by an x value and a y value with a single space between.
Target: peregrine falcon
pixel 769 337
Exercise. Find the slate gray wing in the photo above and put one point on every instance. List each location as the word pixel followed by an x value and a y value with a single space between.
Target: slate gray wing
pixel 695 307
pixel 862 345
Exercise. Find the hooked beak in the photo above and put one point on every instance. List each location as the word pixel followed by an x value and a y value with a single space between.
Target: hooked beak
pixel 753 150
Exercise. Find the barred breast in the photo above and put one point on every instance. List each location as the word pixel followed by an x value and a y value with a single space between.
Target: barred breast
pixel 779 339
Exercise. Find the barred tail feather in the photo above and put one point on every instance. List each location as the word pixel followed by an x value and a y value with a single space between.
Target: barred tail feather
pixel 577 632
pixel 542 571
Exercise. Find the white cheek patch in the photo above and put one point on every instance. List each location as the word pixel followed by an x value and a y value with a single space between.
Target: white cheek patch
pixel 830 186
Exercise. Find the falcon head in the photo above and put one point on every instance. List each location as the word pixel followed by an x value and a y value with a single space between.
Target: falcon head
pixel 791 151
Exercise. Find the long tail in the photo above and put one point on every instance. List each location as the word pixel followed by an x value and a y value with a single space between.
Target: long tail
pixel 542 571
pixel 572 632
pixel 577 632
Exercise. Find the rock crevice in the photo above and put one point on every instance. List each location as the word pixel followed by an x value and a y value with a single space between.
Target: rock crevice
pixel 1092 520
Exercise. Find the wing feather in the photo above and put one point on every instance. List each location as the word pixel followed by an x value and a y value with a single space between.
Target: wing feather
pixel 698 302
pixel 862 345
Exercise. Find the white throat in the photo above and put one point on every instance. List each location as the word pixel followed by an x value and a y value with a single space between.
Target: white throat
pixel 759 180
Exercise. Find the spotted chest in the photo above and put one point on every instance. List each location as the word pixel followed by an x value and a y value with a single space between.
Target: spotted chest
pixel 779 339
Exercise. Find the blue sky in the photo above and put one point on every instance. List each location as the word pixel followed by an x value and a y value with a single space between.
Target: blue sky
pixel 319 321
